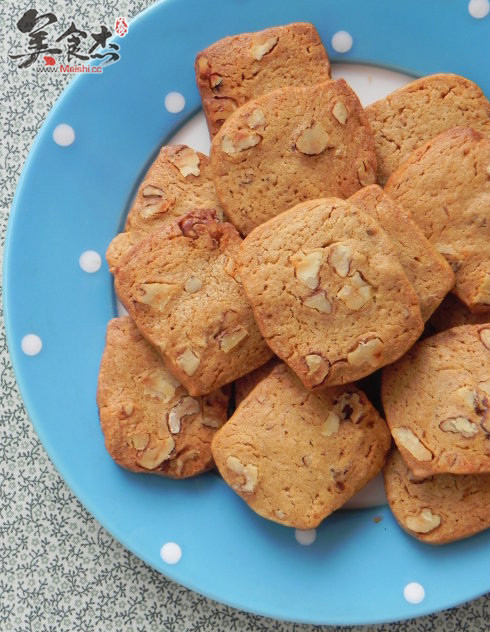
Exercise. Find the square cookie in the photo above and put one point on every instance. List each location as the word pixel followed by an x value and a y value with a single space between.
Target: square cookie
pixel 149 421
pixel 328 292
pixel 436 401
pixel 236 69
pixel 181 288
pixel 446 186
pixel 426 269
pixel 294 456
pixel 289 146
pixel 438 509
pixel 412 115
pixel 177 181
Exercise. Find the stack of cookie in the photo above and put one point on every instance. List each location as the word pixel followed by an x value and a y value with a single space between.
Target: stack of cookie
pixel 279 266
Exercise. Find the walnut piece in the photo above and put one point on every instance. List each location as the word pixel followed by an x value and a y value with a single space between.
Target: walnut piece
pixel 365 174
pixel 483 294
pixel 156 295
pixel 331 425
pixel 256 118
pixel 193 284
pixel 460 425
pixel 241 140
pixel 350 407
pixel 159 383
pixel 366 352
pixel 203 66
pixel 318 301
pixel 183 458
pixel 249 472
pixel 339 112
pixel 187 406
pixel 307 267
pixel 188 362
pixel 127 409
pixel 485 337
pixel 356 293
pixel 340 258
pixel 318 366
pixel 187 162
pixel 215 81
pixel 312 140
pixel 153 457
pixel 229 340
pixel 151 191
pixel 139 441
pixel 259 49
pixel 424 522
pixel 405 438
pixel 149 210
pixel 485 386
pixel 279 514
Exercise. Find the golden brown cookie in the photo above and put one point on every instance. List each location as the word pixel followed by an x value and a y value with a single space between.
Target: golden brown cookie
pixel 246 384
pixel 328 292
pixel 438 509
pixel 178 180
pixel 415 113
pixel 236 69
pixel 426 269
pixel 436 401
pixel 295 456
pixel 453 313
pixel 180 287
pixel 288 146
pixel 149 421
pixel 446 186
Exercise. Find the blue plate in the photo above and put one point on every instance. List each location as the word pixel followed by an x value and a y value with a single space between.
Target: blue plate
pixel 73 199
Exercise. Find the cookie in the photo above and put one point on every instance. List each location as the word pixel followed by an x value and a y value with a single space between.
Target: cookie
pixel 328 292
pixel 294 456
pixel 177 181
pixel 236 69
pixel 291 145
pixel 437 402
pixel 180 287
pixel 149 421
pixel 246 384
pixel 415 113
pixel 446 186
pixel 426 269
pixel 453 313
pixel 438 509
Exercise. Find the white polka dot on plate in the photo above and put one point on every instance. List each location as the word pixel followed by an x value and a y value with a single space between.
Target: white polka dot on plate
pixel 174 102
pixel 31 344
pixel 90 261
pixel 305 536
pixel 342 42
pixel 63 134
pixel 171 553
pixel 479 8
pixel 414 592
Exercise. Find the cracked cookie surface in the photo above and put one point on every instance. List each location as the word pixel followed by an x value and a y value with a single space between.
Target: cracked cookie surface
pixel 178 181
pixel 149 421
pixel 446 186
pixel 437 402
pixel 181 288
pixel 328 292
pixel 426 269
pixel 288 146
pixel 438 509
pixel 295 456
pixel 410 116
pixel 236 69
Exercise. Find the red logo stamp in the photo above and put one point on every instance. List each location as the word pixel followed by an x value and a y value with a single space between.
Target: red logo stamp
pixel 121 26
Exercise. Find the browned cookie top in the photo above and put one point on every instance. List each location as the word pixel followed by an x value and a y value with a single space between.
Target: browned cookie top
pixel 438 509
pixel 181 288
pixel 291 145
pixel 295 456
pixel 446 186
pixel 177 181
pixel 328 292
pixel 415 113
pixel 149 421
pixel 436 401
pixel 236 69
